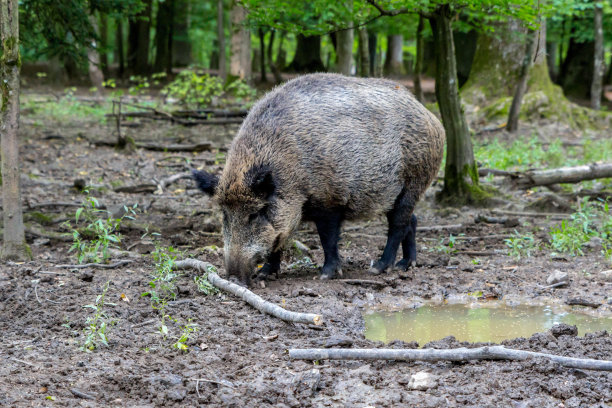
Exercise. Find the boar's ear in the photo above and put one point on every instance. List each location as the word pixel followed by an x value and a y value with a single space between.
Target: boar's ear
pixel 206 182
pixel 259 179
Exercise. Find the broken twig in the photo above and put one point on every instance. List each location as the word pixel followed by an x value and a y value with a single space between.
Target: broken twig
pixel 251 298
pixel 459 354
pixel 97 265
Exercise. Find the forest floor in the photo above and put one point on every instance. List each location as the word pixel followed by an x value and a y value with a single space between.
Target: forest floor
pixel 236 356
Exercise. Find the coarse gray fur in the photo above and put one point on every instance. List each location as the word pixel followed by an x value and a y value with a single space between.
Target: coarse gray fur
pixel 327 143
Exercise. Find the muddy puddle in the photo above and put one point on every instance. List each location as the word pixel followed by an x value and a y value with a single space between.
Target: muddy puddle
pixel 482 324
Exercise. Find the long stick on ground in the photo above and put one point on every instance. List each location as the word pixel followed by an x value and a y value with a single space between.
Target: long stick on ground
pixel 251 298
pixel 459 354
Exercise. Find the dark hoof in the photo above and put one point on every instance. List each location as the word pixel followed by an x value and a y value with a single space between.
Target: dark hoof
pixel 330 272
pixel 266 272
pixel 377 268
pixel 405 264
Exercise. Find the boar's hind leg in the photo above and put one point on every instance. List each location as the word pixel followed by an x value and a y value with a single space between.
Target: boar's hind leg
pixel 328 227
pixel 409 246
pixel 399 226
pixel 270 267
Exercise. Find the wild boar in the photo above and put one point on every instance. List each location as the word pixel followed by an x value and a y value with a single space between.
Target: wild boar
pixel 325 148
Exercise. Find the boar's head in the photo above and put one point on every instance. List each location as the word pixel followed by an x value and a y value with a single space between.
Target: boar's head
pixel 256 220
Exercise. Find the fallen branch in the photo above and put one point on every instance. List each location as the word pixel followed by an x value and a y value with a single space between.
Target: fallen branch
pixel 137 189
pixel 459 354
pixel 564 175
pixel 531 214
pixel 248 296
pixel 198 147
pixel 97 265
pixel 449 227
pixel 56 236
pixel 363 282
pixel 506 221
pixel 81 394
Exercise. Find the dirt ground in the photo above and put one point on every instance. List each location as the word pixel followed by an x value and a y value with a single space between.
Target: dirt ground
pixel 239 357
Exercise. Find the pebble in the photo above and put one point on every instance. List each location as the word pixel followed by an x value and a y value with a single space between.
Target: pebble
pixel 422 381
pixel 556 277
pixel 606 276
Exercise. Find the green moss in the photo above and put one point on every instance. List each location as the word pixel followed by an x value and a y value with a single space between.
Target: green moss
pixel 464 189
pixel 40 218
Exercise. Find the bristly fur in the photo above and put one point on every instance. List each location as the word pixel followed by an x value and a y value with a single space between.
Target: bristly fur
pixel 341 146
pixel 205 181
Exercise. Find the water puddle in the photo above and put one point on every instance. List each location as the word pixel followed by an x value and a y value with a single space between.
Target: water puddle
pixel 481 324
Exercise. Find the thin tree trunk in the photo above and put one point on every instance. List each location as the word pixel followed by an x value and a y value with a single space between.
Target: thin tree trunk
pixel 119 44
pixel 521 87
pixel 221 40
pixel 15 246
pixel 181 44
pixel 395 53
pixel 262 56
pixel 273 65
pixel 104 44
pixel 162 36
pixel 281 56
pixel 461 174
pixel 364 52
pixel 96 77
pixel 372 43
pixel 139 37
pixel 307 55
pixel 598 66
pixel 418 66
pixel 344 51
pixel 240 60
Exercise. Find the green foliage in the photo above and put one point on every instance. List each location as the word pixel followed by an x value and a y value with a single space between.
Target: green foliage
pixel 187 332
pixel 204 285
pixel 521 245
pixel 66 108
pixel 92 243
pixel 593 219
pixel 163 285
pixel 197 91
pixel 96 326
pixel 447 246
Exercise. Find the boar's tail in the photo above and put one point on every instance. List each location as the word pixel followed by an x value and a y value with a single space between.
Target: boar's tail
pixel 205 181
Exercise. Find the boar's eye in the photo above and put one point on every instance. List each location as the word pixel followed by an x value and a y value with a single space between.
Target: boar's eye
pixel 262 213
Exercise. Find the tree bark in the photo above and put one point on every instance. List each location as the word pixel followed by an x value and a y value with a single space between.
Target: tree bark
pixel 461 174
pixel 395 53
pixel 181 46
pixel 96 77
pixel 262 56
pixel 139 37
pixel 372 43
pixel 240 60
pixel 418 66
pixel 460 354
pixel 119 44
pixel 307 55
pixel 163 36
pixel 344 51
pixel 575 174
pixel 104 44
pixel 598 64
pixel 521 87
pixel 221 41
pixel 364 52
pixel 576 74
pixel 274 65
pixel 15 246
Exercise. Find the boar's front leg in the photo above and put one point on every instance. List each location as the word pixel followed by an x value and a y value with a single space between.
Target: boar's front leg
pixel 399 219
pixel 270 267
pixel 328 226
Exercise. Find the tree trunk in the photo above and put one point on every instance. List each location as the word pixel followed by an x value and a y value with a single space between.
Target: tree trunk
pixel 598 65
pixel 139 37
pixel 395 53
pixel 551 59
pixel 221 41
pixel 181 46
pixel 521 88
pixel 418 66
pixel 162 36
pixel 281 55
pixel 307 55
pixel 262 56
pixel 96 77
pixel 344 51
pixel 240 60
pixel 119 44
pixel 364 52
pixel 273 65
pixel 576 74
pixel 104 44
pixel 461 174
pixel 15 246
pixel 465 47
pixel 372 43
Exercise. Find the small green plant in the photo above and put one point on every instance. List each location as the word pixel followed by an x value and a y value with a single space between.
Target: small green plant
pixel 187 332
pixel 520 245
pixel 92 243
pixel 140 87
pixel 163 285
pixel 96 326
pixel 447 247
pixel 204 285
pixel 593 219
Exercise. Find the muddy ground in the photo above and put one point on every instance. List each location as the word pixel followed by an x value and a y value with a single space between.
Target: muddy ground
pixel 238 357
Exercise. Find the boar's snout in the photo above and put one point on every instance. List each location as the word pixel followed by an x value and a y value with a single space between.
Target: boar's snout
pixel 240 268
